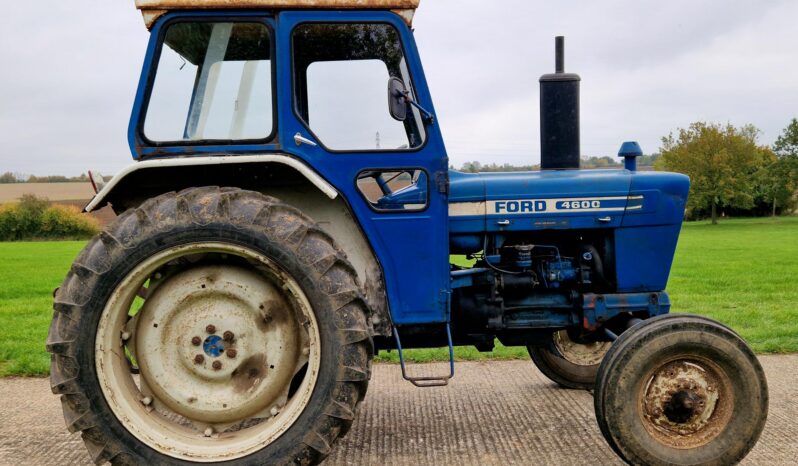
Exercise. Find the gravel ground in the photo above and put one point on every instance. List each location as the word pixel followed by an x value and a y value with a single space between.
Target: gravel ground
pixel 493 413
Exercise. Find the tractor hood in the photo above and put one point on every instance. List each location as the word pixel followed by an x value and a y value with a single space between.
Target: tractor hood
pixel 563 199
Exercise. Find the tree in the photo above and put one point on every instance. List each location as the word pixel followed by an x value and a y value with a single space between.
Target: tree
pixel 722 162
pixel 780 177
pixel 7 177
pixel 787 143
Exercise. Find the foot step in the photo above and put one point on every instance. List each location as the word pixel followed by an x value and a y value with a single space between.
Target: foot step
pixel 426 382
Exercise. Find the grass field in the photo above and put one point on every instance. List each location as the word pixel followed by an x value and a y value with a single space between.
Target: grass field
pixel 741 272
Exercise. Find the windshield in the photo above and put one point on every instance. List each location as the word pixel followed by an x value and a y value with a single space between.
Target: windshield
pixel 213 82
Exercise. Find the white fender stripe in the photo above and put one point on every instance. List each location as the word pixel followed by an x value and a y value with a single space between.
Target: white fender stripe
pixel 309 173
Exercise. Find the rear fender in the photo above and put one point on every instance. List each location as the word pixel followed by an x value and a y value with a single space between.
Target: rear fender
pixel 279 176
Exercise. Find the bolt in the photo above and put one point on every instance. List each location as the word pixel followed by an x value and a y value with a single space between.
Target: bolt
pixel 125 336
pixel 158 276
pixel 211 329
pixel 208 432
pixel 146 401
pixel 306 351
pixel 232 353
pixel 228 336
pixel 196 341
pixel 275 411
pixel 216 365
pixel 199 359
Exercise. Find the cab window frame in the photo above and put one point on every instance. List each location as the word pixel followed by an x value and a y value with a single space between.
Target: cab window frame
pixel 152 73
pixel 411 85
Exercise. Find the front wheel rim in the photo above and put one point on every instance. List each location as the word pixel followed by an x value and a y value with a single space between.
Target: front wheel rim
pixel 580 354
pixel 686 402
pixel 201 401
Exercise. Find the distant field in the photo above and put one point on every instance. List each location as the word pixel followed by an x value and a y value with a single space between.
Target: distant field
pixel 741 272
pixel 72 194
pixel 52 191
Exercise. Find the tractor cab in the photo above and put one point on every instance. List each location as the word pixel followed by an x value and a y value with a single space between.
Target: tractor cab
pixel 332 89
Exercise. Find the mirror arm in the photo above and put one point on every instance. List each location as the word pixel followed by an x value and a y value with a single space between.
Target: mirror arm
pixel 425 115
pixel 428 117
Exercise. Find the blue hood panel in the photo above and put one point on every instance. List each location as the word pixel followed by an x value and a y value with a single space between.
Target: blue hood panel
pixel 537 200
pixel 560 199
pixel 469 187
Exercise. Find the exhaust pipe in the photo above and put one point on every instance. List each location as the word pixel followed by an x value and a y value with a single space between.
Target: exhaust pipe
pixel 559 115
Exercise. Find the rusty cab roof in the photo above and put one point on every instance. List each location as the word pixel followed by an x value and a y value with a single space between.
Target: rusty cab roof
pixel 153 9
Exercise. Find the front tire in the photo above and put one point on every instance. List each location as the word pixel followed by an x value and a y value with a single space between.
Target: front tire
pixel 245 263
pixel 568 363
pixel 681 389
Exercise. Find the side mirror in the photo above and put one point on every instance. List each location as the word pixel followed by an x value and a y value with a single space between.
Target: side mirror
pixel 397 99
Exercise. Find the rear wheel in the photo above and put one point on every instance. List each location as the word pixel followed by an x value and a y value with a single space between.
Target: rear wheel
pixel 568 363
pixel 681 390
pixel 213 325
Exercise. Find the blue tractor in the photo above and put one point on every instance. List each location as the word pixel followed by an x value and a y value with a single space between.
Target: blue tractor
pixel 286 218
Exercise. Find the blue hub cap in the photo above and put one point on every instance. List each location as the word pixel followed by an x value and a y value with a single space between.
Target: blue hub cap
pixel 213 346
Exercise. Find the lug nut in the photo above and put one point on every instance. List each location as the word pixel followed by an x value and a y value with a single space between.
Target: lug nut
pixel 125 336
pixel 208 432
pixel 232 353
pixel 228 336
pixel 199 359
pixel 196 341
pixel 146 401
pixel 211 329
pixel 216 365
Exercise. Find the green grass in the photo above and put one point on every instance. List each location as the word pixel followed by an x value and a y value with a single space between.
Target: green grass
pixel 28 274
pixel 742 272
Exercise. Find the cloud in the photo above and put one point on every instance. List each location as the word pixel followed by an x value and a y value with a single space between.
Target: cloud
pixel 71 71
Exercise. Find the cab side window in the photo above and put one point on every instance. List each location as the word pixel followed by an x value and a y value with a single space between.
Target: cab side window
pixel 341 74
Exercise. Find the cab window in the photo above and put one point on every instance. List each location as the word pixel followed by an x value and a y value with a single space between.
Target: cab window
pixel 213 82
pixel 341 74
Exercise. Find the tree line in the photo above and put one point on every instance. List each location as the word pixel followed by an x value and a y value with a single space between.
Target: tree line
pixel 8 178
pixel 731 172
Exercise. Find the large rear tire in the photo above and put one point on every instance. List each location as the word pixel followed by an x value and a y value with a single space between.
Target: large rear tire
pixel 251 345
pixel 681 389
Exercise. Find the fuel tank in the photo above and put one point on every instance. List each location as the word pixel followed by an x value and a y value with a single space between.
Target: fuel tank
pixel 641 211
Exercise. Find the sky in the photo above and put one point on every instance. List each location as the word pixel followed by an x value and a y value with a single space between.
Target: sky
pixel 70 70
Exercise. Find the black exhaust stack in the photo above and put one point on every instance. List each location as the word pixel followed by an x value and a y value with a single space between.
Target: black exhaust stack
pixel 559 115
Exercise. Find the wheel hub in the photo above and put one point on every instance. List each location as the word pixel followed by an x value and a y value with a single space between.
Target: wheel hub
pixel 223 380
pixel 686 403
pixel 213 346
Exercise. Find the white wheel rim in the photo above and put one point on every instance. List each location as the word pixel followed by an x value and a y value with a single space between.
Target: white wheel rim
pixel 156 409
pixel 589 354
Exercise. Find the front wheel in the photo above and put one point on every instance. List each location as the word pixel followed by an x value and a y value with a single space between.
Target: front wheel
pixel 683 390
pixel 210 326
pixel 569 363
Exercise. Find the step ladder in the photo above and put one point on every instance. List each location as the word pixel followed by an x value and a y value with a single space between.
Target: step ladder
pixel 426 382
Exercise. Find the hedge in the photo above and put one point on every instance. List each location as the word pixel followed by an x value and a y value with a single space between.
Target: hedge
pixel 36 218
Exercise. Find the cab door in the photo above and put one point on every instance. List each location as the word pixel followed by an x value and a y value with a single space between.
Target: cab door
pixel 333 75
